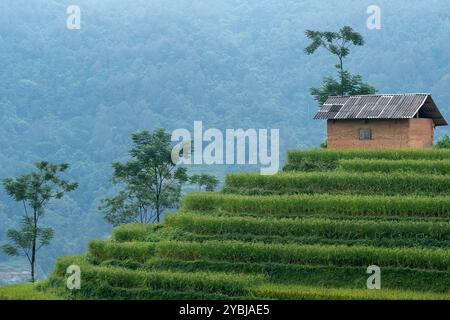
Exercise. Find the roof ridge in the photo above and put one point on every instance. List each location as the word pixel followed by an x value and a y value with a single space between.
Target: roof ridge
pixel 382 94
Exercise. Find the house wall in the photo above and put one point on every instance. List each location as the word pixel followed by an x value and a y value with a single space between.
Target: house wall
pixel 421 133
pixel 402 133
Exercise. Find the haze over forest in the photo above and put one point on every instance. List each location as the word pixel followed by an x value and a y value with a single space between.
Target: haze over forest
pixel 76 95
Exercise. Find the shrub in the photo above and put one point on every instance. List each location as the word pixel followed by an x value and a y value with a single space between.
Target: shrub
pixel 132 232
pixel 444 142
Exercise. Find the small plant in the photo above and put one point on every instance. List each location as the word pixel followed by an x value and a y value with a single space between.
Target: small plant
pixel 444 142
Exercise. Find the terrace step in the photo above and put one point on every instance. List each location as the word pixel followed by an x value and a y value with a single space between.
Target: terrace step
pixel 336 182
pixel 308 226
pixel 298 205
pixel 294 292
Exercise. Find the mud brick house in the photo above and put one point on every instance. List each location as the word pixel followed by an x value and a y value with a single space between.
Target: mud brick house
pixel 381 121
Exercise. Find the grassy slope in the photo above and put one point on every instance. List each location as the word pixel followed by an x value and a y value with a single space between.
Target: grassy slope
pixel 26 291
pixel 315 246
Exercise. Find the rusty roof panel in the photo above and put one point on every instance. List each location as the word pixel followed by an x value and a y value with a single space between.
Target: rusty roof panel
pixel 375 110
pixel 390 108
pixel 347 107
pixel 381 106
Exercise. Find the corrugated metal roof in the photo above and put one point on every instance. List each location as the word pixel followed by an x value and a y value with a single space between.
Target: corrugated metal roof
pixel 381 106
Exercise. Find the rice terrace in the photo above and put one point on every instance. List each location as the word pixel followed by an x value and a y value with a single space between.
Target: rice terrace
pixel 309 232
pixel 224 159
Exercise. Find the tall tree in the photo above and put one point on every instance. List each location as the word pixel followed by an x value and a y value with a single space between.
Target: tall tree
pixel 338 44
pixel 347 84
pixel 35 190
pixel 151 181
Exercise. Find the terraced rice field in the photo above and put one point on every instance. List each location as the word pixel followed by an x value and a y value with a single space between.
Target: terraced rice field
pixel 307 233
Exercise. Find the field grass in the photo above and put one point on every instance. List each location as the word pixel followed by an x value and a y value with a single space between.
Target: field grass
pixel 440 167
pixel 367 205
pixel 329 159
pixel 310 275
pixel 132 232
pixel 138 251
pixel 25 291
pixel 338 183
pixel 295 156
pixel 295 235
pixel 298 227
pixel 435 259
pixel 293 292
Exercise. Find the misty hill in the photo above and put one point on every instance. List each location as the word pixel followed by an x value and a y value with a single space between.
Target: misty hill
pixel 76 95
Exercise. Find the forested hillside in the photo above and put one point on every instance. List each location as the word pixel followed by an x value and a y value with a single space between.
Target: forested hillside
pixel 76 95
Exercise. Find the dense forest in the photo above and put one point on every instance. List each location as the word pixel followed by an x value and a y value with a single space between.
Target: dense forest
pixel 77 95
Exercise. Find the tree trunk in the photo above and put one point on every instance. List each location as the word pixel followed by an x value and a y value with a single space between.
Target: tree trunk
pixel 157 213
pixel 33 262
pixel 342 75
pixel 33 247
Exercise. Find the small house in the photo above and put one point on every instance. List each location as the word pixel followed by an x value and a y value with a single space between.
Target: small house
pixel 381 121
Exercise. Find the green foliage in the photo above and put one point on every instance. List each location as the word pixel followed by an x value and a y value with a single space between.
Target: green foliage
pixel 289 246
pixel 444 142
pixel 328 159
pixel 313 237
pixel 34 190
pixel 438 259
pixel 28 237
pixel 346 85
pixel 394 166
pixel 79 103
pixel 337 183
pixel 138 251
pixel 151 181
pixel 209 282
pixel 327 228
pixel 297 205
pixel 318 276
pixel 25 292
pixel 338 43
pixel 37 188
pixel 132 232
pixel 295 292
pixel 204 180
